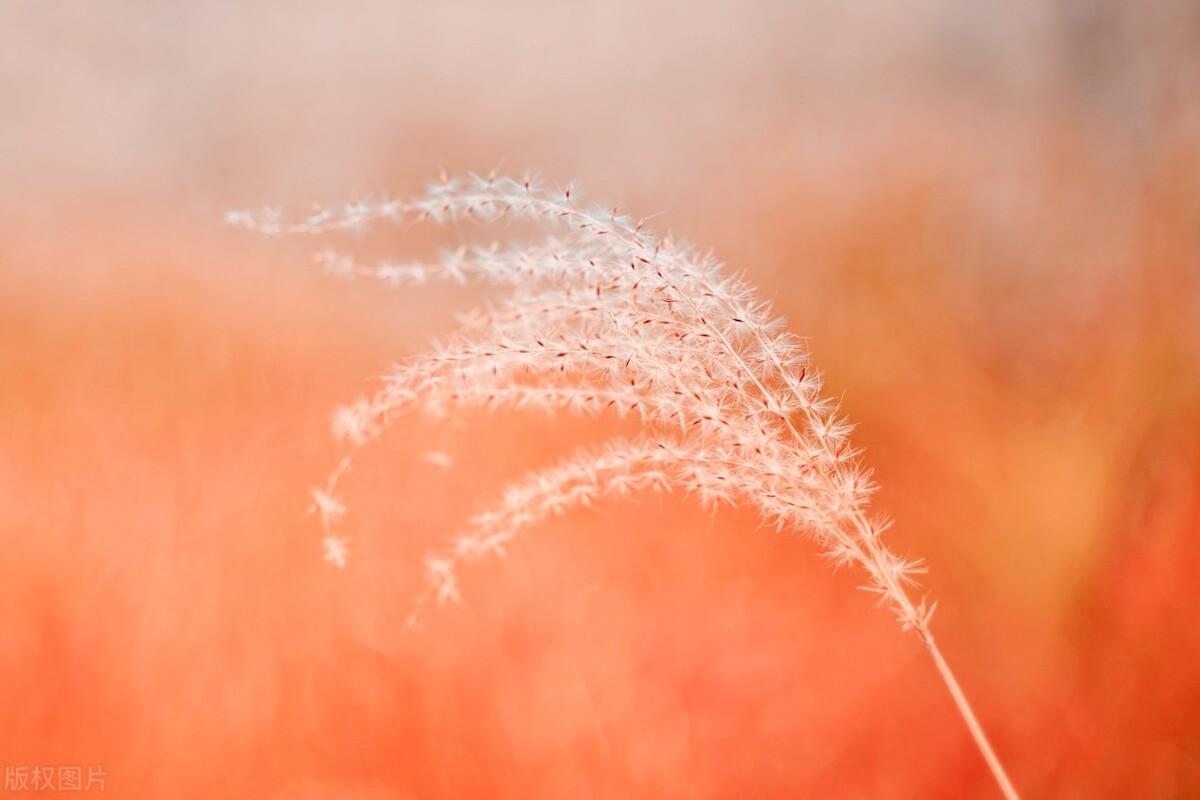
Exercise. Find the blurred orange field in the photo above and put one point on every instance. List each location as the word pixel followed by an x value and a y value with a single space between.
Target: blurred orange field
pixel 986 222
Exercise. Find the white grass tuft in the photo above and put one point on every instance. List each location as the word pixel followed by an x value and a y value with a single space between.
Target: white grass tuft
pixel 601 316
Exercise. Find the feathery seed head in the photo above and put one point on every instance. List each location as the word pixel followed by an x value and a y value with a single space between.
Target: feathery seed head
pixel 603 317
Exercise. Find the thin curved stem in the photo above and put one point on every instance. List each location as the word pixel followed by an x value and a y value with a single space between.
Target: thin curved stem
pixel 964 708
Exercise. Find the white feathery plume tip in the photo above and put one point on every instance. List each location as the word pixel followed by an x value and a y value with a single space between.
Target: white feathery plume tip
pixel 335 550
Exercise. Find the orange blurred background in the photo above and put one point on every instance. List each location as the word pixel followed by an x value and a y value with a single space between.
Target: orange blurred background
pixel 986 217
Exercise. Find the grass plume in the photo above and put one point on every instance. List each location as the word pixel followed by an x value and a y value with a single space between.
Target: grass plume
pixel 604 316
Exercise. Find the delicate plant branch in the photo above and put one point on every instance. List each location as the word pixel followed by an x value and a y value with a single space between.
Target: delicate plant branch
pixel 604 316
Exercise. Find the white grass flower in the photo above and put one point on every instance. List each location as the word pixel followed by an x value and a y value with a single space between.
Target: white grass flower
pixel 603 316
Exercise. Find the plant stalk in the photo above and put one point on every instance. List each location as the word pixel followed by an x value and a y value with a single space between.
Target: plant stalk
pixel 964 708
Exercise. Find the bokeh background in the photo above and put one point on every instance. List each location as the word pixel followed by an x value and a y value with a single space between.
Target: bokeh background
pixel 985 216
